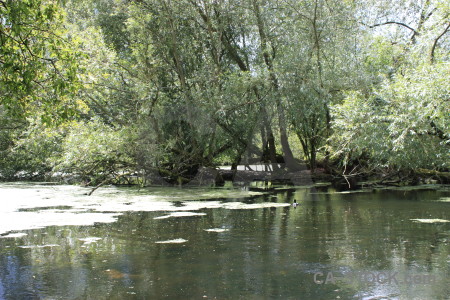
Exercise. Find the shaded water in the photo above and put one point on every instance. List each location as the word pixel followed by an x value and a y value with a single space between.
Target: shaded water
pixel 223 243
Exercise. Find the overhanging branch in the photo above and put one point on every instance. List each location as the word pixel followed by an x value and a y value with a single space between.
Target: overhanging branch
pixel 396 23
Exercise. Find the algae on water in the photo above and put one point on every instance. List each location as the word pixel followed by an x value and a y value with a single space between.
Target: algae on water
pixel 90 240
pixel 32 206
pixel 14 235
pixel 217 230
pixel 430 220
pixel 174 241
pixel 180 214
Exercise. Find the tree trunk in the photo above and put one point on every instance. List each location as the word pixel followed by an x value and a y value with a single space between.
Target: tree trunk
pixel 290 161
pixel 269 138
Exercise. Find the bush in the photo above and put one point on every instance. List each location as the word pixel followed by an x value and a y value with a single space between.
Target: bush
pixel 95 152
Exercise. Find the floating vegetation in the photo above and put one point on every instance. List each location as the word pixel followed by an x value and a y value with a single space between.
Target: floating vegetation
pixel 14 235
pixel 90 240
pixel 307 186
pixel 354 191
pixel 188 193
pixel 447 199
pixel 180 214
pixel 317 184
pixel 175 241
pixel 344 192
pixel 431 220
pixel 39 246
pixel 33 206
pixel 53 208
pixel 217 230
pixel 33 220
pixel 240 205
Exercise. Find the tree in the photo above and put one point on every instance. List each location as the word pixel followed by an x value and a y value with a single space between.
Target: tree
pixel 96 153
pixel 402 121
pixel 39 68
pixel 196 83
pixel 403 124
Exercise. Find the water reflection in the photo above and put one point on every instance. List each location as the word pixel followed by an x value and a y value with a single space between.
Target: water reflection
pixel 269 252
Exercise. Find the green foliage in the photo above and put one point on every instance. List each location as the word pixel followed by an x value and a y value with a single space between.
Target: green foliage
pixel 404 123
pixel 29 153
pixel 402 120
pixel 175 85
pixel 39 67
pixel 95 152
pixel 382 58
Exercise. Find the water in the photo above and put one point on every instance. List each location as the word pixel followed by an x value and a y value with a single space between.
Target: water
pixel 223 243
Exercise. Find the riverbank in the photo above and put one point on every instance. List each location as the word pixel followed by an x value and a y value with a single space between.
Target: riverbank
pixel 264 173
pixel 341 181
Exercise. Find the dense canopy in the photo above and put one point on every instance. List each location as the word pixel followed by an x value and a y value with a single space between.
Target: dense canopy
pixel 104 89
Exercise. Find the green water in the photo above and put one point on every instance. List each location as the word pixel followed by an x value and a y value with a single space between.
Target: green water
pixel 380 244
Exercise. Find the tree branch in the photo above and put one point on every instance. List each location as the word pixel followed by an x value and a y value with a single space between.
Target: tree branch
pixel 436 41
pixel 396 23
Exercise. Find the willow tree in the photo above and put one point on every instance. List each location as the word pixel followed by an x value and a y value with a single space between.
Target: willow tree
pixel 402 122
pixel 318 59
pixel 39 65
pixel 180 65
